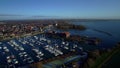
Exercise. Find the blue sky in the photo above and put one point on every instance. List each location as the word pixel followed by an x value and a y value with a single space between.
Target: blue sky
pixel 23 9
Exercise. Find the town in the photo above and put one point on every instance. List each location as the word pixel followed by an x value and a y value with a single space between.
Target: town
pixel 27 44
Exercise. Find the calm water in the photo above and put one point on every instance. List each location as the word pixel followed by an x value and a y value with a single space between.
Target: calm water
pixel 108 41
pixel 112 27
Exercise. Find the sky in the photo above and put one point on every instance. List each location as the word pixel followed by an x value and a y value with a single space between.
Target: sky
pixel 83 9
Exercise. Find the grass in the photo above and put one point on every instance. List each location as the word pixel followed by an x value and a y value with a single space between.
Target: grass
pixel 114 61
pixel 104 58
pixel 99 60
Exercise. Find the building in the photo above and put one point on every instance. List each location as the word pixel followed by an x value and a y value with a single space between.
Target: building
pixel 67 34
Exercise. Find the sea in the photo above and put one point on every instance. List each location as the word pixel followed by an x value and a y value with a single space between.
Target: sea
pixel 107 31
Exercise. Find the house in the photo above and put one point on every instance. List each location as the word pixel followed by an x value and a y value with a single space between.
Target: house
pixel 67 34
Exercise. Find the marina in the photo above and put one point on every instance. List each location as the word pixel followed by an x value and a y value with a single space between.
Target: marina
pixel 30 49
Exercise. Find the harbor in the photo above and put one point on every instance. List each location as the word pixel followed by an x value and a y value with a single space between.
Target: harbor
pixel 31 49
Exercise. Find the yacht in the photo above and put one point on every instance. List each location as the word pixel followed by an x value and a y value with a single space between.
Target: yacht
pixel 36 37
pixel 63 42
pixel 66 47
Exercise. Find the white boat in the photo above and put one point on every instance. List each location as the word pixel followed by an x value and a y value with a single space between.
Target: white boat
pixel 16 62
pixel 4 47
pixel 9 60
pixel 66 48
pixel 0 47
pixel 6 50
